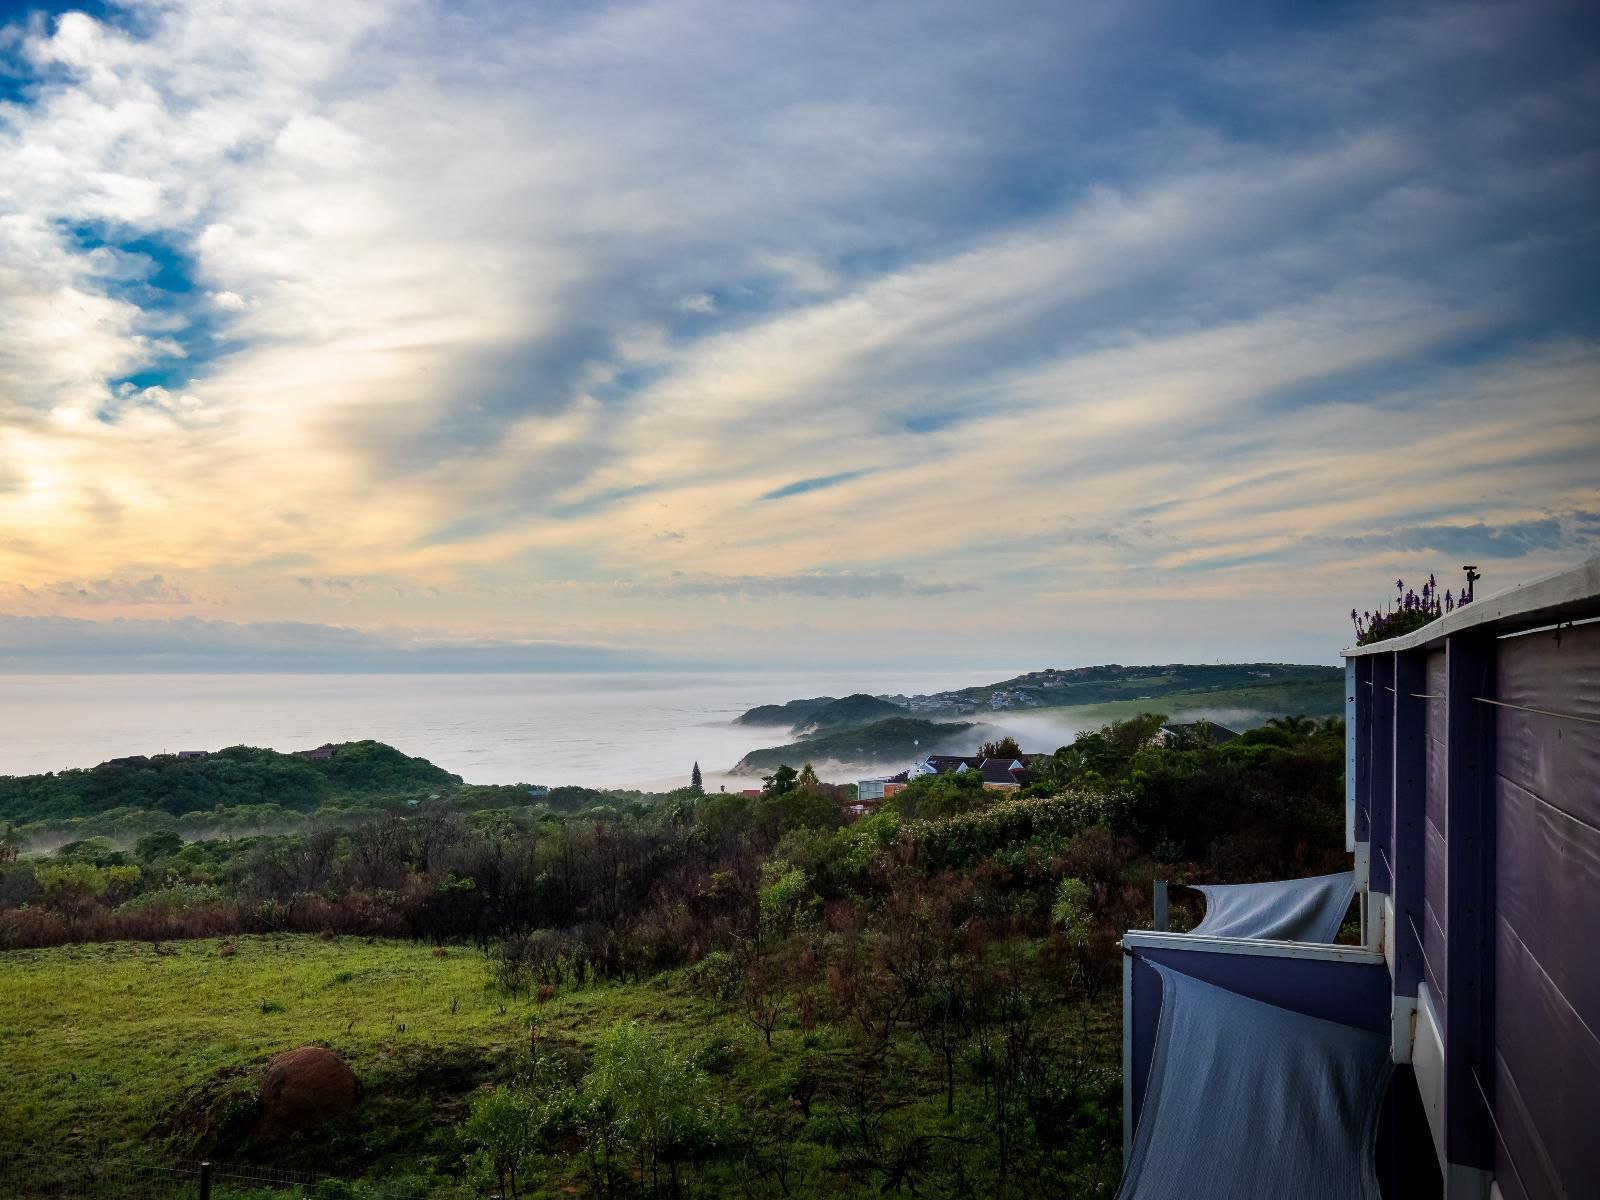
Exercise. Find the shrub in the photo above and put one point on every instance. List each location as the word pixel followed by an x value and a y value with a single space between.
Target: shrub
pixel 180 897
pixel 501 1127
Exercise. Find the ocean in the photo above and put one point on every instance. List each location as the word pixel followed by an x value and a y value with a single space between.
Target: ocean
pixel 626 730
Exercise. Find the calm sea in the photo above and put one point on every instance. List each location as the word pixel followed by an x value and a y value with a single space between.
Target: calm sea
pixel 600 730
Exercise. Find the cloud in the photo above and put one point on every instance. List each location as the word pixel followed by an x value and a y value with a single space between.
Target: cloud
pixel 1577 533
pixel 153 589
pixel 404 313
pixel 801 486
pixel 117 592
pixel 817 584
pixel 43 644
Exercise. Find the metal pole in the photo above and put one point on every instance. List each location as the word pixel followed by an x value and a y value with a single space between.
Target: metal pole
pixel 205 1181
pixel 1161 906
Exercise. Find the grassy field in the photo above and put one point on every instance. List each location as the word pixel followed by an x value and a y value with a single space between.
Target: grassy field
pixel 112 1047
pixel 1252 704
pixel 118 1050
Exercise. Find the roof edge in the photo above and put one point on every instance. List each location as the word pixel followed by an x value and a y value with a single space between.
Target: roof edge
pixel 1568 595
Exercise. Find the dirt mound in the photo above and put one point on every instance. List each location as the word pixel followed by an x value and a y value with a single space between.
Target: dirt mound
pixel 303 1089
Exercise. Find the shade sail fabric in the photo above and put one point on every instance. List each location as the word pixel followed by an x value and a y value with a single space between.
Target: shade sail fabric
pixel 1246 1099
pixel 1286 910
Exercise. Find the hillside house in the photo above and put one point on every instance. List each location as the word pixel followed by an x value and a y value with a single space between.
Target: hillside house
pixel 999 774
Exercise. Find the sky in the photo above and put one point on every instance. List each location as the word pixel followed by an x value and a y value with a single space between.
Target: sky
pixel 521 335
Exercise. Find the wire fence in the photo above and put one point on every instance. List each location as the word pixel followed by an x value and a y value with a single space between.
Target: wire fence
pixel 42 1178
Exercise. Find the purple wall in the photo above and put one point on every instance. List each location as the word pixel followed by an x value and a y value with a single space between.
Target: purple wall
pixel 1545 1082
pixel 1493 820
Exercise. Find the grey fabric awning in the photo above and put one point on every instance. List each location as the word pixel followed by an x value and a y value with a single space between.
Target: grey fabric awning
pixel 1286 910
pixel 1246 1099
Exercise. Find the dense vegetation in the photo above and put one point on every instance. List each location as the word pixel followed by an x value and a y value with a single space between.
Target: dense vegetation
pixel 357 773
pixel 692 994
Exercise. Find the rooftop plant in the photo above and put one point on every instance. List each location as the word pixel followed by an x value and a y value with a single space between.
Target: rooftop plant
pixel 1410 609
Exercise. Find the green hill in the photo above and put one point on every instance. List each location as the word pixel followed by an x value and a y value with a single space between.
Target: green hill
pixel 1323 687
pixel 356 774
pixel 794 714
pixel 894 740
pixel 858 709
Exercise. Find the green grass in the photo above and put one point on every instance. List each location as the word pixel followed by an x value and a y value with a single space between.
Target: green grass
pixel 120 1052
pixel 1311 699
pixel 103 1044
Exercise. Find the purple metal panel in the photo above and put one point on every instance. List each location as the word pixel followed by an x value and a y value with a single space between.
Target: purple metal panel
pixel 1434 927
pixel 1353 993
pixel 1470 921
pixel 1514 1143
pixel 1435 868
pixel 1547 881
pixel 1410 820
pixel 1557 760
pixel 1362 733
pixel 1382 780
pixel 1545 1087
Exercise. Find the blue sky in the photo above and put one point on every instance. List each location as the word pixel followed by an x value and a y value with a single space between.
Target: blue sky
pixel 758 333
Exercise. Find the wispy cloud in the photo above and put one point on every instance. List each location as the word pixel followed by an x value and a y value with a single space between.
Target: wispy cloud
pixel 815 584
pixel 801 486
pixel 1577 534
pixel 64 644
pixel 152 589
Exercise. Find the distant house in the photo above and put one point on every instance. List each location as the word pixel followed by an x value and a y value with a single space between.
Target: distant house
pixel 751 792
pixel 186 754
pixel 872 792
pixel 130 760
pixel 321 754
pixel 1002 774
pixel 1198 732
pixel 876 789
pixel 998 774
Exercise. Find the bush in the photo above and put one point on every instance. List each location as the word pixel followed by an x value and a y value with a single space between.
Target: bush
pixel 180 897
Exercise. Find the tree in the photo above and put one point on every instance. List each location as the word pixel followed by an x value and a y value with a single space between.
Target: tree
pixel 153 847
pixel 1296 727
pixel 807 778
pixel 780 781
pixel 930 797
pixel 695 781
pixel 761 998
pixel 650 1096
pixel 1071 914
pixel 1006 747
pixel 501 1126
